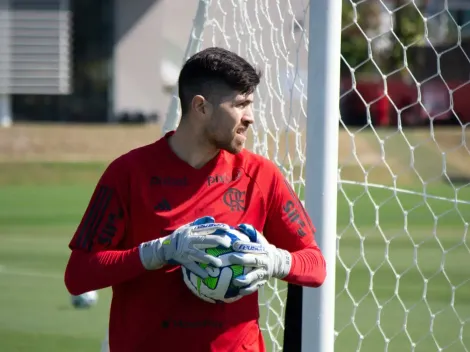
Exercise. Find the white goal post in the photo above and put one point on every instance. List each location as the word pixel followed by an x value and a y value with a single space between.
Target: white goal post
pixel 391 204
pixel 321 166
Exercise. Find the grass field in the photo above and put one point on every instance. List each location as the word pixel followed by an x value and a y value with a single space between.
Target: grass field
pixel 403 269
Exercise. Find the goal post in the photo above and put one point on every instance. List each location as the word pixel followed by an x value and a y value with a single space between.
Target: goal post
pixel 321 166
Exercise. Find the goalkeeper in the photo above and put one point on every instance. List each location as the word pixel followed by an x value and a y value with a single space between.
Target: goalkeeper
pixel 153 209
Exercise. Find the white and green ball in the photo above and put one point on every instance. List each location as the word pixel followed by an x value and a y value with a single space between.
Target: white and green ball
pixel 218 287
pixel 85 300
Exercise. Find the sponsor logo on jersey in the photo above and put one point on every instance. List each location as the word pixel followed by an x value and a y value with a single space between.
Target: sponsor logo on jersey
pixel 234 199
pixel 224 178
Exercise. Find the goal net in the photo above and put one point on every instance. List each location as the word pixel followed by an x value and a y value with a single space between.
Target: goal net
pixel 403 255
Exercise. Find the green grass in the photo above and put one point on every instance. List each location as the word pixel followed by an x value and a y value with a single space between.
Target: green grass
pixel 402 271
pixel 35 309
pixel 406 271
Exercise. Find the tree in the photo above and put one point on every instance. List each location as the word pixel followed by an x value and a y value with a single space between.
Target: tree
pixel 370 35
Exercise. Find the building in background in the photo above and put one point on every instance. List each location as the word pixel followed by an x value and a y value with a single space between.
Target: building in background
pixel 90 61
pixel 108 60
pixel 34 50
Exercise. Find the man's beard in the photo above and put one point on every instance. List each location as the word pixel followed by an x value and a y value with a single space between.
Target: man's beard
pixel 223 142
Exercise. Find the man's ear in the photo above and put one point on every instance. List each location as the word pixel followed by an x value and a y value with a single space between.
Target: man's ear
pixel 200 105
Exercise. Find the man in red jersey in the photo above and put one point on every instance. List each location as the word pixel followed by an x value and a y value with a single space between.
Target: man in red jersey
pixel 155 206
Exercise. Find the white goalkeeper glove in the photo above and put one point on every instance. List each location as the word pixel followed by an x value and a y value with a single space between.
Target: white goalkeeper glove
pixel 183 246
pixel 267 260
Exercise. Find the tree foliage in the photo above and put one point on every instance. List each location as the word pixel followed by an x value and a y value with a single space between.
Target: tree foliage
pixel 363 29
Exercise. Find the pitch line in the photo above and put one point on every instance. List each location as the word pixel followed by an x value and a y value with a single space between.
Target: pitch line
pixel 405 191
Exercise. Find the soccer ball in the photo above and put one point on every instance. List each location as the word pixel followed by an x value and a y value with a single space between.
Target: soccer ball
pixel 218 287
pixel 85 300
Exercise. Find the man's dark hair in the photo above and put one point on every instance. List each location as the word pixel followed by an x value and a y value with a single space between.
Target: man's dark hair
pixel 212 69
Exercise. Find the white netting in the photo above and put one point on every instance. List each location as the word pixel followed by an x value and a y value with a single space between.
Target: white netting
pixel 403 269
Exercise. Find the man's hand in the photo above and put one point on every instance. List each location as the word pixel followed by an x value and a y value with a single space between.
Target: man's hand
pixel 267 260
pixel 184 246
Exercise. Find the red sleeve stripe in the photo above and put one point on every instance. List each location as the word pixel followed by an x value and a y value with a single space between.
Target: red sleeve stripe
pixel 94 217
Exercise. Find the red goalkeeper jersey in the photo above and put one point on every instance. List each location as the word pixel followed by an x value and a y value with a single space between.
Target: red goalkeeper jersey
pixel 148 193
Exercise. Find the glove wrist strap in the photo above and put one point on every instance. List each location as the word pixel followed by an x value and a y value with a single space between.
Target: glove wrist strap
pixel 152 255
pixel 284 263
